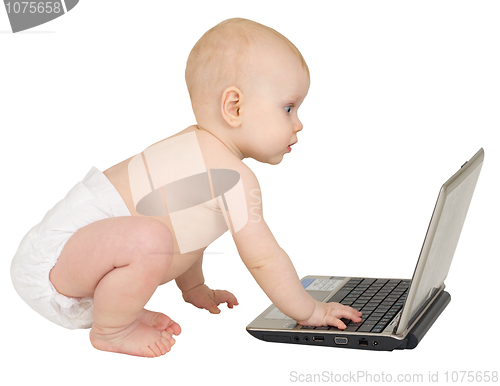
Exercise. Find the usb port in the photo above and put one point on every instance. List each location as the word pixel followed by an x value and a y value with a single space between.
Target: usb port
pixel 318 339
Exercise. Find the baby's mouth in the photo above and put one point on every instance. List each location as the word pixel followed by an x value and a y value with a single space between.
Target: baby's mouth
pixel 289 147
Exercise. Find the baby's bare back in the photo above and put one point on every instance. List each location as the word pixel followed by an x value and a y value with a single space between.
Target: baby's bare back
pixel 189 182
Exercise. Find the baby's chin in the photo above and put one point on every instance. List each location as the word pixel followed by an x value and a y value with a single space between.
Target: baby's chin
pixel 275 160
pixel 268 159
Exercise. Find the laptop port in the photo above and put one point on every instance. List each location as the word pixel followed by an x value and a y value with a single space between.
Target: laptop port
pixel 363 342
pixel 375 343
pixel 318 339
pixel 296 338
pixel 341 340
pixel 306 339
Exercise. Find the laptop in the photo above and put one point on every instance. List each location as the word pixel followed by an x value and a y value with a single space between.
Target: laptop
pixel 397 313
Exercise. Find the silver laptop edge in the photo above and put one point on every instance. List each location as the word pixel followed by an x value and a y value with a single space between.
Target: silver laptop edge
pixel 441 240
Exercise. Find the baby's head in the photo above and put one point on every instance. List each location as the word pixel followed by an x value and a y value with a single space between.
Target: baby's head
pixel 246 82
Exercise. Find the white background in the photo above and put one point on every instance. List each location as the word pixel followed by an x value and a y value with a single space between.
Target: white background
pixel 402 93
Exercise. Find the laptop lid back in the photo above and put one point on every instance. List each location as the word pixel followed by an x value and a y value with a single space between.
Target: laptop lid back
pixel 441 239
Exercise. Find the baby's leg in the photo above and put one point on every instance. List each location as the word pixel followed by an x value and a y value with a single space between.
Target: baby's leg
pixel 120 261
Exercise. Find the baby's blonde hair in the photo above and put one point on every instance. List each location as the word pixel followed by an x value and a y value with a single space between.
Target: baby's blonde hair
pixel 216 60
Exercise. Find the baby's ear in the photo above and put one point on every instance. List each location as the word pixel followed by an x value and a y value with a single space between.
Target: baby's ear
pixel 232 101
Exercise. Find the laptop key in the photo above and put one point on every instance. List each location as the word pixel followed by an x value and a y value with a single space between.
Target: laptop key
pixel 337 298
pixel 365 328
pixel 345 321
pixel 351 326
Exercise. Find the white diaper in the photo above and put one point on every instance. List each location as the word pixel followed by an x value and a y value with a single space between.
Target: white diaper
pixel 90 200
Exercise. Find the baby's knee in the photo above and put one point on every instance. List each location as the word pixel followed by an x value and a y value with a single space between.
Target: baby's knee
pixel 153 242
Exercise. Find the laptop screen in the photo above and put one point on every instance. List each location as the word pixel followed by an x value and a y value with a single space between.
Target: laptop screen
pixel 441 239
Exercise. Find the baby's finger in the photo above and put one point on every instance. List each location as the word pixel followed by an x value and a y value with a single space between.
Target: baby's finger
pixel 232 301
pixel 351 313
pixel 335 322
pixel 208 304
pixel 341 311
pixel 213 309
pixel 225 297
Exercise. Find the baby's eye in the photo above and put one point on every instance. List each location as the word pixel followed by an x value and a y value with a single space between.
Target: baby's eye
pixel 288 109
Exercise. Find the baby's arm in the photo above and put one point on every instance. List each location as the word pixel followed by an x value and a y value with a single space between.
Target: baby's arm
pixel 194 290
pixel 274 272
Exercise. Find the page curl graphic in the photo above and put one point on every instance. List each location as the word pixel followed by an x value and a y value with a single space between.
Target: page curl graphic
pixel 24 15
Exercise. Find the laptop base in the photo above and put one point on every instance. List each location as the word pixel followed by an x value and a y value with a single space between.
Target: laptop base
pixel 420 329
pixel 360 341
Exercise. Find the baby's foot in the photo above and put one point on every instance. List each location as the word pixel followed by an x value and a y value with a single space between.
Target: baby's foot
pixel 160 321
pixel 137 339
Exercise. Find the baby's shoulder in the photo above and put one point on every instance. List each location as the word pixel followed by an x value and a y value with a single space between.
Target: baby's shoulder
pixel 236 169
pixel 217 156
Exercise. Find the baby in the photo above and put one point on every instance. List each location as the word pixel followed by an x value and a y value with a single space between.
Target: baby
pixel 98 256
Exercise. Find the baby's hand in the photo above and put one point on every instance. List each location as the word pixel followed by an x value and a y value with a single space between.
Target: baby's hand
pixel 329 314
pixel 203 297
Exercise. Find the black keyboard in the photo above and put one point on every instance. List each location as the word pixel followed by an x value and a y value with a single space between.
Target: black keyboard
pixel 380 300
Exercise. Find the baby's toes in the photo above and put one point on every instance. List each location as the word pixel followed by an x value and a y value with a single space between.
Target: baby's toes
pixel 173 328
pixel 161 321
pixel 163 346
pixel 168 338
pixel 155 349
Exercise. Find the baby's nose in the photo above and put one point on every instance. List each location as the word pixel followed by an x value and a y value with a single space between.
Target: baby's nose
pixel 298 126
